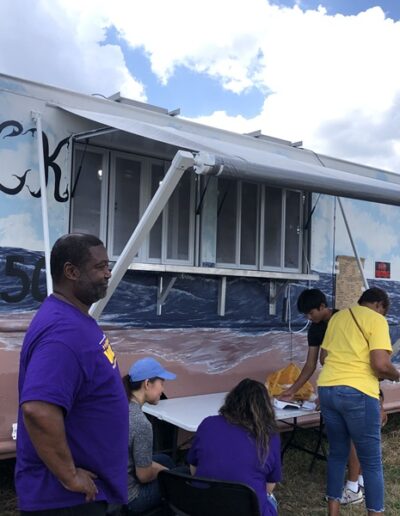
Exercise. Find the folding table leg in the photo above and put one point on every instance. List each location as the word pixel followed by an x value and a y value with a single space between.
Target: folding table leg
pixel 289 441
pixel 174 443
pixel 319 445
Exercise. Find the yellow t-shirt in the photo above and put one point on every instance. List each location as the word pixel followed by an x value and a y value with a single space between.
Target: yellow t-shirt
pixel 347 361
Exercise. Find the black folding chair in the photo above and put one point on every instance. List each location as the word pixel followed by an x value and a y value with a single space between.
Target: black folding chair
pixel 195 496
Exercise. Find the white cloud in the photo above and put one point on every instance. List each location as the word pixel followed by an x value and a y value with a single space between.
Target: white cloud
pixel 332 85
pixel 330 81
pixel 18 231
pixel 220 38
pixel 238 124
pixel 50 42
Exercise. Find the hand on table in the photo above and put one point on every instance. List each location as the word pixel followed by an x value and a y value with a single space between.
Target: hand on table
pixel 287 395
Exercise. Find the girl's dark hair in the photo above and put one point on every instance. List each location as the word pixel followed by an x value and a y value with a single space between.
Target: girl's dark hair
pixel 249 405
pixel 131 386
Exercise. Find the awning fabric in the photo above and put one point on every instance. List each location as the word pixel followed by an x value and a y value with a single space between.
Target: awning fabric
pixel 252 159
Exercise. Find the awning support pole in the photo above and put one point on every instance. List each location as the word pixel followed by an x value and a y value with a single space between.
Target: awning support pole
pixel 162 292
pixel 36 117
pixel 181 162
pixel 222 296
pixel 365 282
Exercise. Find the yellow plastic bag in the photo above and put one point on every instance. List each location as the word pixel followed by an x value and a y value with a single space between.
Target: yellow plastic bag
pixel 280 380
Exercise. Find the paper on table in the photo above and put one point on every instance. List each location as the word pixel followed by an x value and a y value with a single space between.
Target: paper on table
pixel 309 405
pixel 286 404
pixel 306 405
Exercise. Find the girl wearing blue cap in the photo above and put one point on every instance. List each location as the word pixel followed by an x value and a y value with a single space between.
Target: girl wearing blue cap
pixel 144 384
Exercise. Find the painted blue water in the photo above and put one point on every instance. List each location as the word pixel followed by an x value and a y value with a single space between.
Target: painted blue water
pixel 192 302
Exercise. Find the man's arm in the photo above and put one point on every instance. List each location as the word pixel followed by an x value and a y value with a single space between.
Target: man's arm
pixel 44 423
pixel 382 366
pixel 322 356
pixel 306 373
pixel 150 473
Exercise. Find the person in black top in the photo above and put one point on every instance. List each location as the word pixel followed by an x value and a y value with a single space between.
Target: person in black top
pixel 312 303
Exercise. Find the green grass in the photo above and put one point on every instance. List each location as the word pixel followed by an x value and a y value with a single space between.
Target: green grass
pixel 301 493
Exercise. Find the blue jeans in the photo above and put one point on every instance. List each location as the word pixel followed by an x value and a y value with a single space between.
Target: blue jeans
pixel 349 415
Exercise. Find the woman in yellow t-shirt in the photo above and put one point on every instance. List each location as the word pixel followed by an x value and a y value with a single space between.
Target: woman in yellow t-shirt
pixel 355 353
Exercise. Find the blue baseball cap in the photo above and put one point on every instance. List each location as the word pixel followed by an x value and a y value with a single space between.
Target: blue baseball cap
pixel 148 367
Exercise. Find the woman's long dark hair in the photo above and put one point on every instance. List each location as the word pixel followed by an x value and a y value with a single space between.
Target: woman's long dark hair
pixel 249 405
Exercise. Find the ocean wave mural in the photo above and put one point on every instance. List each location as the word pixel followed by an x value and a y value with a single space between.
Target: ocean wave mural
pixel 189 329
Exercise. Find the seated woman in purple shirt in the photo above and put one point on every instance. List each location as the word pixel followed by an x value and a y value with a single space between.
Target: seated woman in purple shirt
pixel 241 444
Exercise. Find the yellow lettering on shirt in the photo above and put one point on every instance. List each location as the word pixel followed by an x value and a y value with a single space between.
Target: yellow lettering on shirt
pixel 108 351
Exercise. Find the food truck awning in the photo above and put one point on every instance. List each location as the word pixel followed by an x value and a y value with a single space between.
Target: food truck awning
pixel 228 154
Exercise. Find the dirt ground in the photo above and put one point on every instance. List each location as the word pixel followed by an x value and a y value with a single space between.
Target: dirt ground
pixel 8 499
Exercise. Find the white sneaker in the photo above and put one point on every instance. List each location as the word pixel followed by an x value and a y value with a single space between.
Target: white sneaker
pixel 349 497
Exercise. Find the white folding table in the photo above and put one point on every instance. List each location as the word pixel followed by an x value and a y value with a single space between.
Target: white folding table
pixel 188 412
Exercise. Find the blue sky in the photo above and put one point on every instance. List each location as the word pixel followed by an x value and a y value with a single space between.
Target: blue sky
pixel 323 72
pixel 185 89
pixel 347 7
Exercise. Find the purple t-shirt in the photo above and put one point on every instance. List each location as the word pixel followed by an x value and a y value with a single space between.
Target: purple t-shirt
pixel 224 451
pixel 67 360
